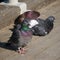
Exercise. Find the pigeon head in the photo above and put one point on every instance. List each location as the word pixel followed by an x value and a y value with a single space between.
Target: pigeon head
pixel 51 18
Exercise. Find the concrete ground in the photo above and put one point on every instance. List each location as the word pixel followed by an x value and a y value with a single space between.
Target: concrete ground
pixel 40 48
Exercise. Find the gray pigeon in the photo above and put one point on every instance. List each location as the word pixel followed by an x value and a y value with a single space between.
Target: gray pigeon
pixel 20 37
pixel 44 27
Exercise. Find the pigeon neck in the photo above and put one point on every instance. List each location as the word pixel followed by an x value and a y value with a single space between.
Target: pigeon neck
pixel 25 27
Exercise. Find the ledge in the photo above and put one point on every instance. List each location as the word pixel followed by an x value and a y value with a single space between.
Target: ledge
pixel 8 14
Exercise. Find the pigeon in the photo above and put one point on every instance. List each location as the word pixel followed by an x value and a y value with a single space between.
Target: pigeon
pixel 43 27
pixel 20 37
pixel 39 27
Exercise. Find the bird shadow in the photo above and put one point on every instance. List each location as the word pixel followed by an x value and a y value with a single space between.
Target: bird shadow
pixel 7 46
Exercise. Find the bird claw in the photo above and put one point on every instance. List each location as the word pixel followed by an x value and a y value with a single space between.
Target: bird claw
pixel 21 51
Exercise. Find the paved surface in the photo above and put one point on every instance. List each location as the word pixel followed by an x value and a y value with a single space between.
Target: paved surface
pixel 36 3
pixel 40 48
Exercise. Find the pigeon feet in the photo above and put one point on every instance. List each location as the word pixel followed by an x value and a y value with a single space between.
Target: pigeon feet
pixel 21 50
